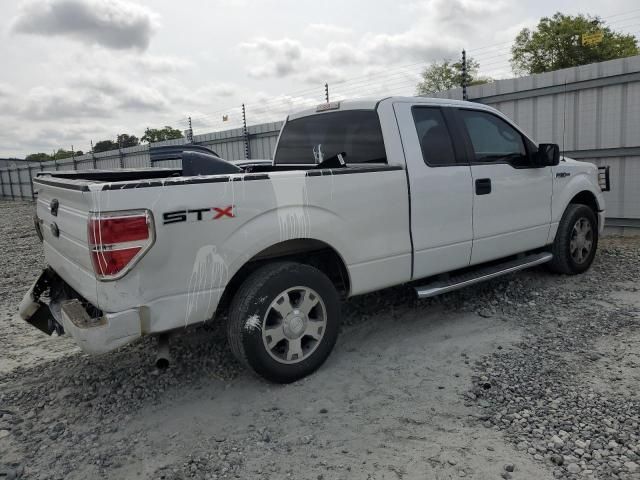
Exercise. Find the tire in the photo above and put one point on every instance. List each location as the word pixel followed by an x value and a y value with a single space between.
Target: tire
pixel 304 329
pixel 576 242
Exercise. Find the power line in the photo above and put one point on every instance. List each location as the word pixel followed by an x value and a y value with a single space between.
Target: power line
pixel 623 13
pixel 492 58
pixel 292 102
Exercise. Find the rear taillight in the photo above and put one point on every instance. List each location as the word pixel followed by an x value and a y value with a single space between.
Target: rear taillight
pixel 117 240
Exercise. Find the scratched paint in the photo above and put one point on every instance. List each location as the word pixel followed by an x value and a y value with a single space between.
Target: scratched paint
pixel 290 189
pixel 208 274
pixel 96 206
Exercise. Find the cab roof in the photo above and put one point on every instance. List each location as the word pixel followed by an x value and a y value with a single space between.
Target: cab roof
pixel 372 103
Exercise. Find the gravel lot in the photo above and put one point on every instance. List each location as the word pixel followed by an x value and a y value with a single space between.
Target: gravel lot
pixel 530 376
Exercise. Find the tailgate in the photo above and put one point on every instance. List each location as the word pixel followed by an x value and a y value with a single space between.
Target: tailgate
pixel 63 214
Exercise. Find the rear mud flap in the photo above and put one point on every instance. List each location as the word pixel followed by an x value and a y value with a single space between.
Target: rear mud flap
pixel 43 320
pixel 37 313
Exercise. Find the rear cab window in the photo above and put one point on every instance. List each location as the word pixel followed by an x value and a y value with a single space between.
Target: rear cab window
pixel 312 139
pixel 434 136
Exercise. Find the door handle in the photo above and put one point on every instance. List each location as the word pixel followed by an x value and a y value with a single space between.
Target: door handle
pixel 483 186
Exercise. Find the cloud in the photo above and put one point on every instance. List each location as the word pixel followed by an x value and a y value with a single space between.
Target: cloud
pixel 7 96
pixel 120 87
pixel 441 29
pixel 158 64
pixel 50 136
pixel 322 74
pixel 412 45
pixel 282 57
pixel 343 54
pixel 215 90
pixel 278 106
pixel 122 93
pixel 114 24
pixel 325 29
pixel 62 103
pixel 285 58
pixel 91 95
pixel 6 90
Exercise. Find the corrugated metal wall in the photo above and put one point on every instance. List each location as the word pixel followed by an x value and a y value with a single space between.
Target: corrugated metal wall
pixel 15 182
pixel 592 112
pixel 229 144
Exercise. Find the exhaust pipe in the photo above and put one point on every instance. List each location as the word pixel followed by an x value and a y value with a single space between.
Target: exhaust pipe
pixel 163 357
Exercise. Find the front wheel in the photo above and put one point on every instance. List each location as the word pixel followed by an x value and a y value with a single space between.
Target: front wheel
pixel 284 321
pixel 574 247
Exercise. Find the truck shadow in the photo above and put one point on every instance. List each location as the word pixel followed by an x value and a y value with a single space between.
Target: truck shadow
pixel 127 379
pixel 77 397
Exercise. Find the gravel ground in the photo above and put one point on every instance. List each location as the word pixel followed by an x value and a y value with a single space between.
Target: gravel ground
pixel 529 376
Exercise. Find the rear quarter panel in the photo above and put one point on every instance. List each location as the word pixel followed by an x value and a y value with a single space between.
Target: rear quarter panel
pixel 363 216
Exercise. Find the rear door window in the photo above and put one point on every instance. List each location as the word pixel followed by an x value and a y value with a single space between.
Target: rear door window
pixel 434 137
pixel 318 137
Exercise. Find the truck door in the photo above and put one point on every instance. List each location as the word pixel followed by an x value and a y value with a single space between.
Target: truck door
pixel 511 196
pixel 440 189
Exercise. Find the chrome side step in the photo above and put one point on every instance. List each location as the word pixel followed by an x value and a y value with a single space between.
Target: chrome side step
pixel 459 281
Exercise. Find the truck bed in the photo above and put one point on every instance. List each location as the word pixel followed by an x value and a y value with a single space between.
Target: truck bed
pixel 207 227
pixel 104 180
pixel 147 177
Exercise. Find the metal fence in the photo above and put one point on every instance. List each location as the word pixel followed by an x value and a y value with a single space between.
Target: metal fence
pixel 16 182
pixel 591 111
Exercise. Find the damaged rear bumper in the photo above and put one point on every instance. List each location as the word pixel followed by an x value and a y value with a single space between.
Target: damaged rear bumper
pixel 95 331
pixel 35 312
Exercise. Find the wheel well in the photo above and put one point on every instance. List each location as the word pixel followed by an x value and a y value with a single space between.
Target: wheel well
pixel 302 250
pixel 586 198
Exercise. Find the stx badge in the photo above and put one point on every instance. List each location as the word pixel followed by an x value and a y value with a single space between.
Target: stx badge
pixel 198 214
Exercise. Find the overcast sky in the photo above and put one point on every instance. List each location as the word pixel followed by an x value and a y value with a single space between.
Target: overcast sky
pixel 76 70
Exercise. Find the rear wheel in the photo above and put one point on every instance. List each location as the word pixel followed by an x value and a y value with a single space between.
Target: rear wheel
pixel 284 321
pixel 574 247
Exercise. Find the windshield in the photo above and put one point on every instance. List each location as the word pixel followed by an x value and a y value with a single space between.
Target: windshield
pixel 314 138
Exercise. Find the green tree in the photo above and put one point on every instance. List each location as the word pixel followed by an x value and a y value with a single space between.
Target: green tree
pixel 105 146
pixel 38 157
pixel 125 140
pixel 445 75
pixel 159 134
pixel 557 43
pixel 62 153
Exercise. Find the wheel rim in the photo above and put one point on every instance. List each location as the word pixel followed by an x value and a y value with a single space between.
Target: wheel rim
pixel 294 325
pixel 581 242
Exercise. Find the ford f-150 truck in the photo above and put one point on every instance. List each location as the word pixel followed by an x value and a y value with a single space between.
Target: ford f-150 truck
pixel 361 195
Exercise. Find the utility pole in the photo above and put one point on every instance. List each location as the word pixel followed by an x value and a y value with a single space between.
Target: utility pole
pixel 10 182
pixel 190 131
pixel 326 92
pixel 73 158
pixel 245 134
pixel 33 195
pixel 464 75
pixel 120 153
pixel 93 156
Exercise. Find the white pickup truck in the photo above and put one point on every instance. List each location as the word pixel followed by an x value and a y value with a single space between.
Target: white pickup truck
pixel 361 195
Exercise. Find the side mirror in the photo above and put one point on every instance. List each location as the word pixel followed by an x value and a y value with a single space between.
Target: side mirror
pixel 548 155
